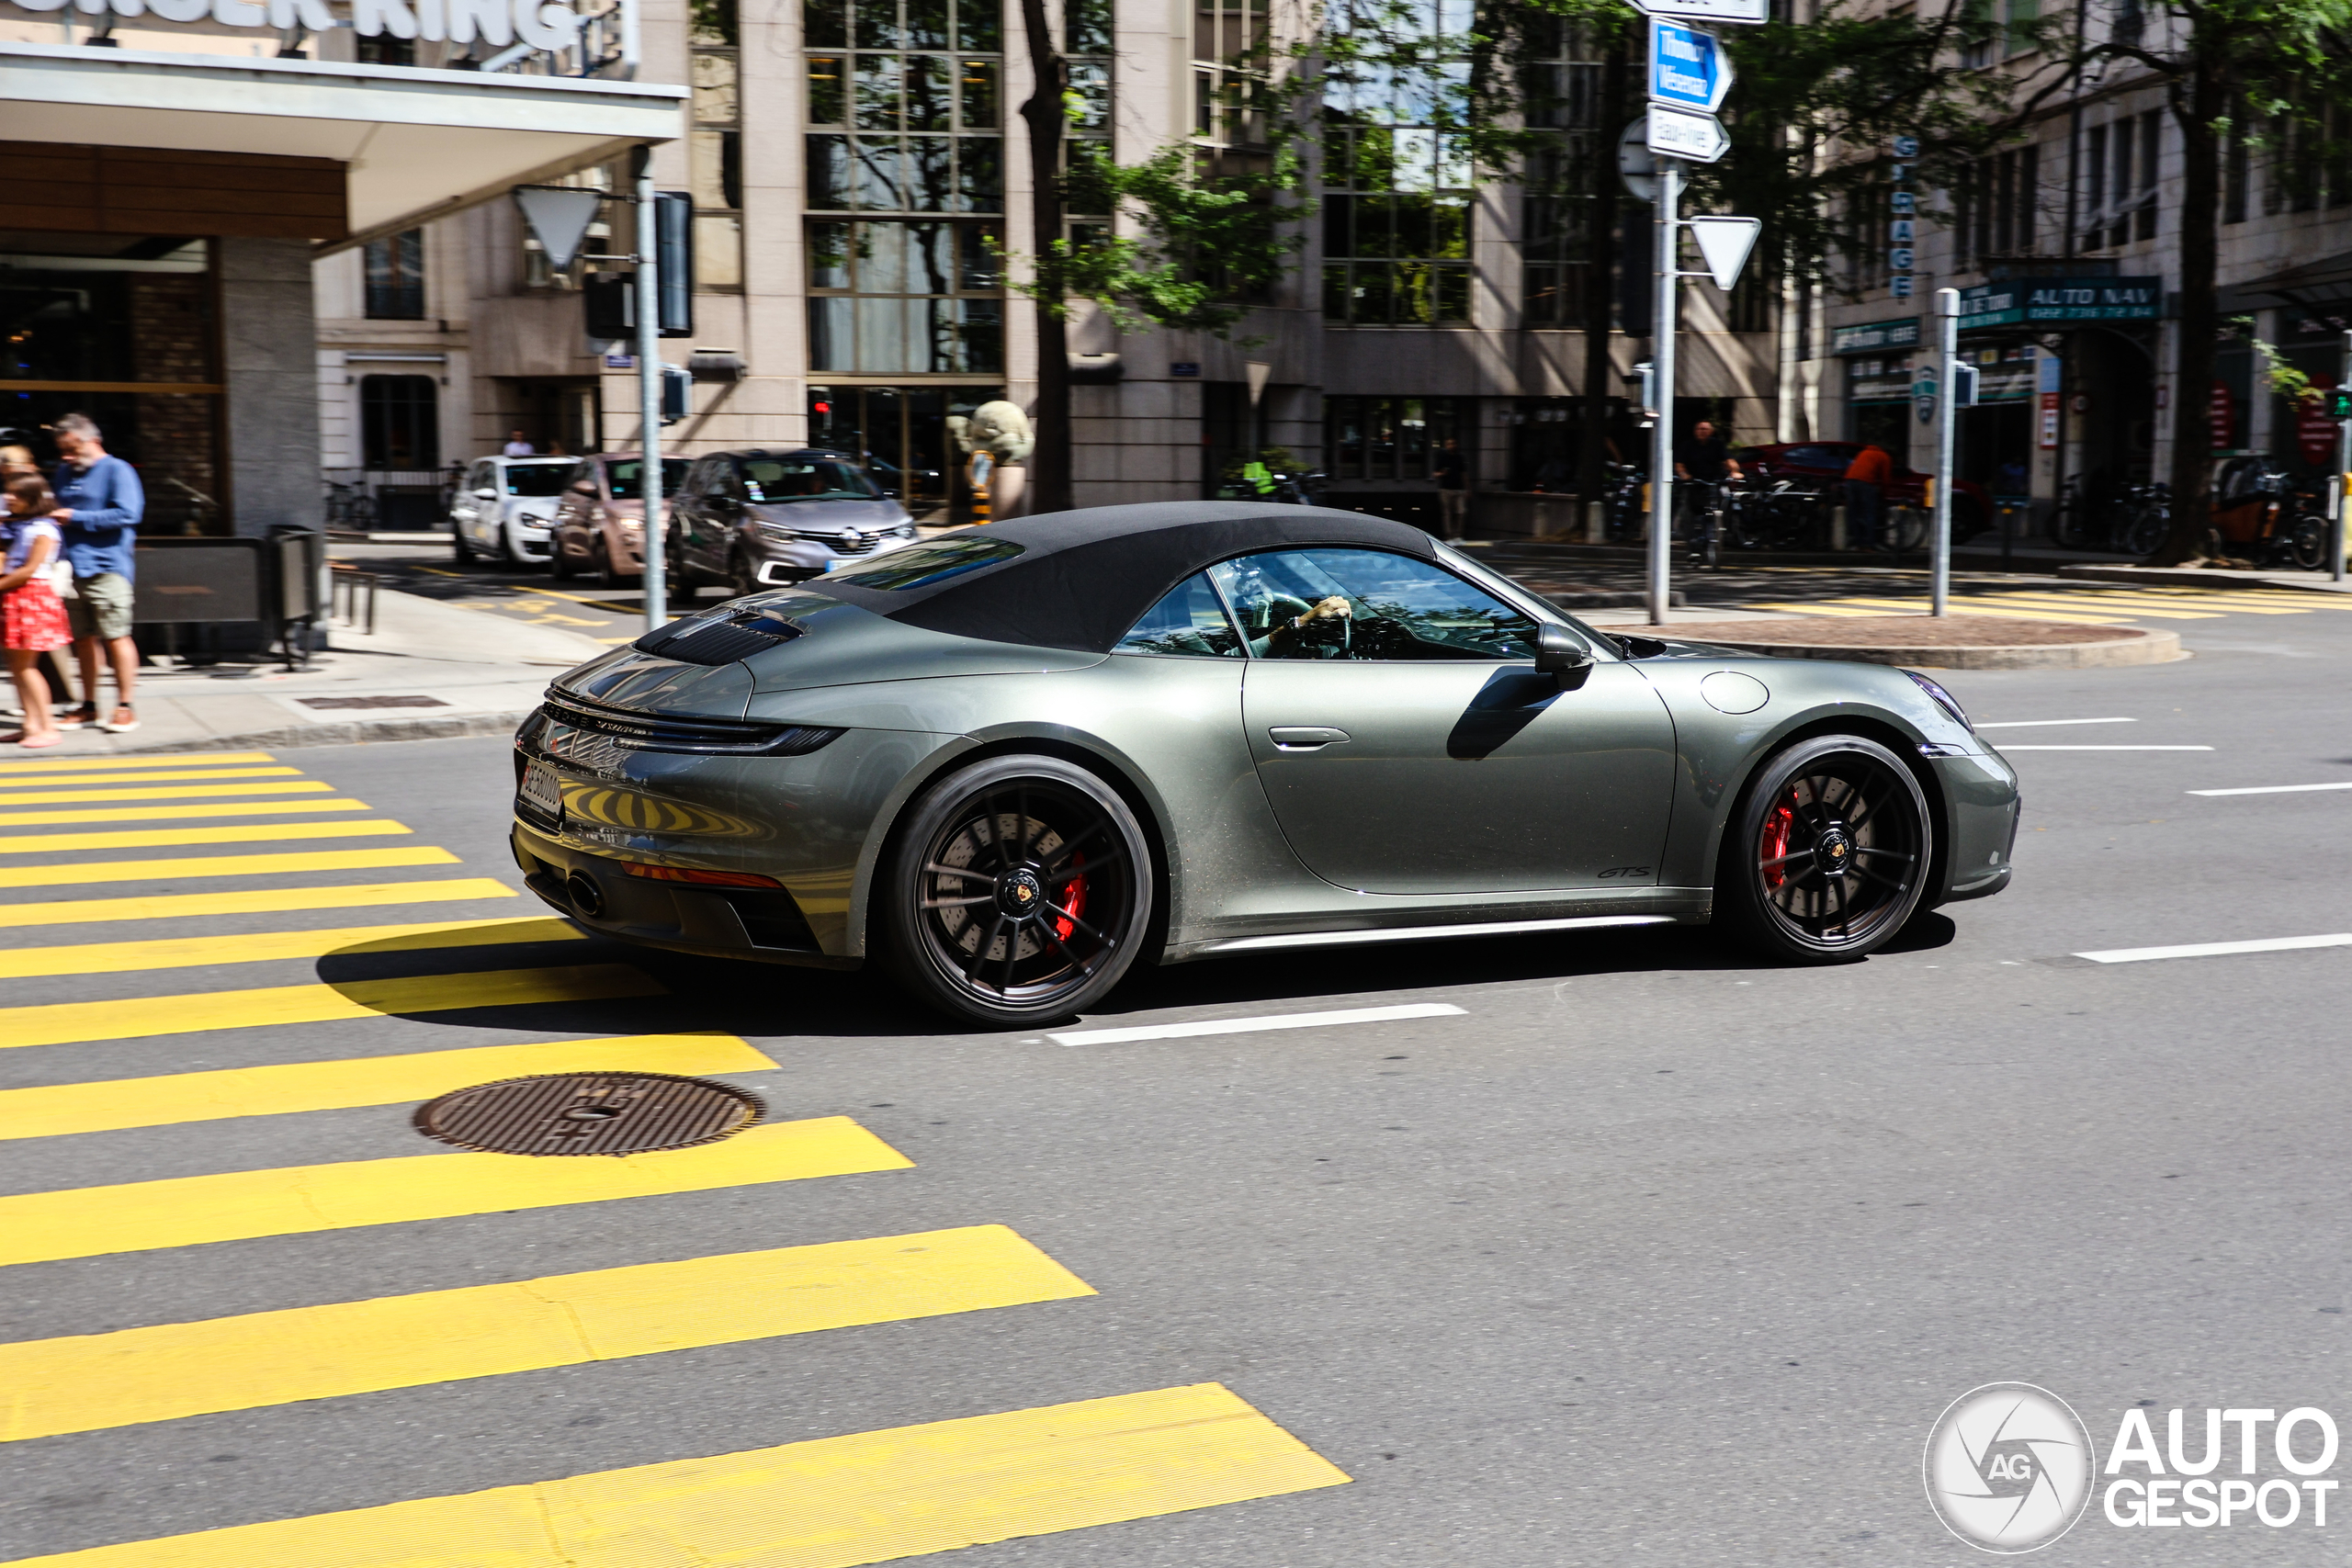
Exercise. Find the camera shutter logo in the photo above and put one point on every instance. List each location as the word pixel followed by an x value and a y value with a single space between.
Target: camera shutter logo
pixel 2008 1467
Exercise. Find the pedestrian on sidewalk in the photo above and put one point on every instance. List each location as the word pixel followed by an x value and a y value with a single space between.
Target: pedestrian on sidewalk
pixel 33 619
pixel 99 503
pixel 1866 479
pixel 518 445
pixel 1452 489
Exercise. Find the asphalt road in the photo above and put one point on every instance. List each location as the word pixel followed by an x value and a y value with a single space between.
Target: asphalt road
pixel 1650 1253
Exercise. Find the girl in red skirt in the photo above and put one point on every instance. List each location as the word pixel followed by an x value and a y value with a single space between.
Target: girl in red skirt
pixel 33 615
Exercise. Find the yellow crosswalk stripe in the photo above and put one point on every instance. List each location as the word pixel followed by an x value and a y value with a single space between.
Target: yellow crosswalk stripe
pixel 194 1210
pixel 167 760
pixel 134 1018
pixel 175 812
pixel 280 1088
pixel 1812 608
pixel 260 947
pixel 2097 603
pixel 257 900
pixel 170 792
pixel 164 838
pixel 2214 604
pixel 217 865
pixel 90 1382
pixel 827 1503
pixel 90 778
pixel 1919 606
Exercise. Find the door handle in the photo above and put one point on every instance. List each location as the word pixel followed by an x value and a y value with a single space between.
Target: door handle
pixel 1305 737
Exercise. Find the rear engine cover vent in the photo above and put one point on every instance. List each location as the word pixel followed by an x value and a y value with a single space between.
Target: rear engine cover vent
pixel 719 638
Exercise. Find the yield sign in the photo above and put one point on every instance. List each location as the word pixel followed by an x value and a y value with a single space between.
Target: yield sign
pixel 1725 244
pixel 1688 68
pixel 559 217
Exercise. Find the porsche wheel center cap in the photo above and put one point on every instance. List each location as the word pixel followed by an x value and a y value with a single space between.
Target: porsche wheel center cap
pixel 1834 853
pixel 1020 893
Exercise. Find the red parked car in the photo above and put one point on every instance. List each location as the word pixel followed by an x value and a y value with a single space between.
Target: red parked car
pixel 1824 463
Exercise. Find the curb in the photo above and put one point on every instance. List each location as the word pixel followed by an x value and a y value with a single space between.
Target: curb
pixel 2143 648
pixel 2197 576
pixel 344 733
pixel 1627 601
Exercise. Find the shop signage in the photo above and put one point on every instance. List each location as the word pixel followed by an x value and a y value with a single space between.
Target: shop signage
pixel 1877 381
pixel 2061 300
pixel 1875 337
pixel 2221 411
pixel 1902 231
pixel 527 23
pixel 2052 373
pixel 1923 389
pixel 2315 429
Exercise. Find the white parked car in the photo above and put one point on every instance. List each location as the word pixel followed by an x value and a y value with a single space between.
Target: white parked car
pixel 505 506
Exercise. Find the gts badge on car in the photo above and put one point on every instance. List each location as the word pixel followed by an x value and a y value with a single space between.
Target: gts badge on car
pixel 1623 870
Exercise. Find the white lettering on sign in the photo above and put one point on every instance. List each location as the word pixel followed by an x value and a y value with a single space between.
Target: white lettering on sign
pixel 533 23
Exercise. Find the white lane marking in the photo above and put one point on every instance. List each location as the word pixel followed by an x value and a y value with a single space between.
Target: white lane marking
pixel 2271 789
pixel 1252 1025
pixel 2215 949
pixel 2006 749
pixel 2040 723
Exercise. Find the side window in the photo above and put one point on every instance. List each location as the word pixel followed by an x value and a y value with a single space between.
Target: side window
pixel 1188 623
pixel 1367 606
pixel 484 477
pixel 698 479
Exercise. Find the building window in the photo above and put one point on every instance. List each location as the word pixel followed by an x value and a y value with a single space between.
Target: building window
pixel 905 295
pixel 716 162
pixel 1087 44
pixel 400 423
pixel 1397 188
pixel 2000 205
pixel 905 107
pixel 395 278
pixel 1556 243
pixel 1393 438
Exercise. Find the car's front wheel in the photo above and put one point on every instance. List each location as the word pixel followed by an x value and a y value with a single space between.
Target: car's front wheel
pixel 1828 856
pixel 1018 892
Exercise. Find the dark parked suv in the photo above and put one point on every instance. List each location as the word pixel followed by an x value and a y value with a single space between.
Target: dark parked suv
pixel 759 519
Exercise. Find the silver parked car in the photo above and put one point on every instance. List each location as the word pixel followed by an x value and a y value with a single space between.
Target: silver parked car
pixel 504 506
pixel 1008 762
pixel 761 519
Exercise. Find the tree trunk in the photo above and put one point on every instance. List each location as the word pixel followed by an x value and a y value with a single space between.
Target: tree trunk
pixel 2200 211
pixel 1049 464
pixel 1599 294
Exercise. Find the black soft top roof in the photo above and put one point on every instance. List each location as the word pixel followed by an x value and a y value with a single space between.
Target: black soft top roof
pixel 1084 578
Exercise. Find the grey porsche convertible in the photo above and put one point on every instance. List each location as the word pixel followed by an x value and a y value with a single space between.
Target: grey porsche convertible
pixel 1008 762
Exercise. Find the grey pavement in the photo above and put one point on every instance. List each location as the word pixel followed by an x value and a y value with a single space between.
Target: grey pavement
pixel 1653 1254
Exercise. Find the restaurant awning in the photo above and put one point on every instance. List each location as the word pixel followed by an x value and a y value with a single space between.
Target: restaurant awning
pixel 416 144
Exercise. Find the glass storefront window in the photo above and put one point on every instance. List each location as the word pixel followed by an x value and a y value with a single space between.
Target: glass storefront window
pixel 901 434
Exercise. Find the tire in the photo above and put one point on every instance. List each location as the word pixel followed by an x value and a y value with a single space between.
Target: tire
pixel 1906 529
pixel 1803 804
pixel 508 556
pixel 743 577
pixel 953 923
pixel 600 556
pixel 460 546
pixel 2307 543
pixel 559 563
pixel 2145 531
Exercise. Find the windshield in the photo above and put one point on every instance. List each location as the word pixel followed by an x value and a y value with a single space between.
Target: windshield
pixel 626 475
pixel 919 566
pixel 539 479
pixel 767 479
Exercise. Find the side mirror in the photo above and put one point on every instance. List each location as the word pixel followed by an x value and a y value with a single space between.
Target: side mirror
pixel 1558 652
pixel 486 495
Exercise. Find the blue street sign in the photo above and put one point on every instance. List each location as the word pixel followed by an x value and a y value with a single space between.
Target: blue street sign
pixel 1688 68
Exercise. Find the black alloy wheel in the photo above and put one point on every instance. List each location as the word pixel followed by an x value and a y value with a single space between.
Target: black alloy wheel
pixel 1018 894
pixel 1827 857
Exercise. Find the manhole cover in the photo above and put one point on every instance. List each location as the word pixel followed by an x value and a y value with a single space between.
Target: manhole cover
pixel 589 1114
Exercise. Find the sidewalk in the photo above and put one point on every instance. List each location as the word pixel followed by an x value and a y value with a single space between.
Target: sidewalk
pixel 431 671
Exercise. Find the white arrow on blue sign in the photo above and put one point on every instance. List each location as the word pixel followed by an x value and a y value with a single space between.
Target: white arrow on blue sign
pixel 1688 68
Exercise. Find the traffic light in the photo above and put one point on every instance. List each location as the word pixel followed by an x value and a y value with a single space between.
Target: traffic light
pixel 677 394
pixel 2340 403
pixel 1963 386
pixel 673 242
pixel 610 302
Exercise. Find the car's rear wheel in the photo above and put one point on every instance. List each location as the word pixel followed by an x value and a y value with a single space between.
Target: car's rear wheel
pixel 1828 856
pixel 462 548
pixel 1018 892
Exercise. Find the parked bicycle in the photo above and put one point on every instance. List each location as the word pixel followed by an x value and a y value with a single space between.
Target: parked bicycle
pixel 1778 514
pixel 2260 512
pixel 2133 519
pixel 349 507
pixel 1625 503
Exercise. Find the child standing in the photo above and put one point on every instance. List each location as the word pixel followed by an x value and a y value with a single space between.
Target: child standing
pixel 32 618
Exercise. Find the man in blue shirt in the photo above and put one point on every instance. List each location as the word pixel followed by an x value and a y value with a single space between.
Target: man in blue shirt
pixel 100 502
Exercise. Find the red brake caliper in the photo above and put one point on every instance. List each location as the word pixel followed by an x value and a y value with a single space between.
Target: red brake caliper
pixel 1777 828
pixel 1073 899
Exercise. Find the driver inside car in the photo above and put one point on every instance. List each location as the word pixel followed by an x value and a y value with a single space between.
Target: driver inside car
pixel 1294 636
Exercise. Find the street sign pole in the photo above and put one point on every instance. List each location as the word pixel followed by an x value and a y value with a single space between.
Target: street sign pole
pixel 2343 467
pixel 1669 283
pixel 649 393
pixel 1947 428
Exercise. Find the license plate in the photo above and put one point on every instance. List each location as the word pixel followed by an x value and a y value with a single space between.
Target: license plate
pixel 541 790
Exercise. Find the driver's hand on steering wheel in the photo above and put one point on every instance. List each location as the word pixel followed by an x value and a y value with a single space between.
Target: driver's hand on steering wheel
pixel 1335 608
